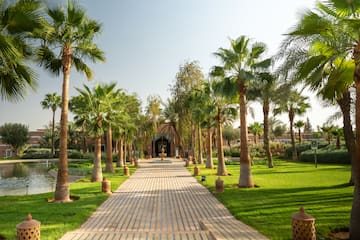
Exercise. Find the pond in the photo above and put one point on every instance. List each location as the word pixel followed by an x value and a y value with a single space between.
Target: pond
pixel 25 178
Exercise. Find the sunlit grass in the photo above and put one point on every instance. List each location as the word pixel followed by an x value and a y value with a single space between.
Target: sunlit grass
pixel 56 218
pixel 322 191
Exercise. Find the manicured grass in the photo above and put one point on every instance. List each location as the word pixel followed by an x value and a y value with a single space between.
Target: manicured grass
pixel 56 218
pixel 322 191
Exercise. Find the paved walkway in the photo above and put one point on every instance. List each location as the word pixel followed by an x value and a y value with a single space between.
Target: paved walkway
pixel 161 200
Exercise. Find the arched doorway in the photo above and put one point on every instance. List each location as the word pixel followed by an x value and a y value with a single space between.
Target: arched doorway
pixel 162 143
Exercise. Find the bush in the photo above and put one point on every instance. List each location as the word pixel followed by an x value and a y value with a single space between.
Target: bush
pixel 235 152
pixel 75 154
pixel 302 148
pixel 35 153
pixel 338 156
pixel 227 152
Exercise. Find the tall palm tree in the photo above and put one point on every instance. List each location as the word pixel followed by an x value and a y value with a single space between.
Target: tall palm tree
pixel 264 91
pixel 67 41
pixel 239 64
pixel 333 28
pixel 52 101
pixel 17 21
pixel 197 102
pixel 223 98
pixel 292 103
pixel 299 124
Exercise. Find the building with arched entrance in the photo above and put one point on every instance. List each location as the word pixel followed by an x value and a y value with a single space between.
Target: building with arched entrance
pixel 167 140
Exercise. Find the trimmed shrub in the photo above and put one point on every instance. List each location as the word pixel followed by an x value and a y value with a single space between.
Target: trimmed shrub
pixel 75 154
pixel 37 153
pixel 302 148
pixel 340 156
pixel 235 152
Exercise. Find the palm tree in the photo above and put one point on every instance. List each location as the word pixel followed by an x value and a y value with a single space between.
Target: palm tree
pixel 17 21
pixel 299 124
pixel 331 31
pixel 327 131
pixel 292 103
pixel 223 106
pixel 338 133
pixel 80 119
pixel 67 41
pixel 98 110
pixel 264 91
pixel 197 102
pixel 52 101
pixel 256 129
pixel 239 64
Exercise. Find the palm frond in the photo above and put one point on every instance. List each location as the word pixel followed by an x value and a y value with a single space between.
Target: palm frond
pixel 47 59
pixel 82 67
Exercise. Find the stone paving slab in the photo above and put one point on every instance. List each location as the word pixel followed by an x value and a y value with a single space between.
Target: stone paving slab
pixel 161 200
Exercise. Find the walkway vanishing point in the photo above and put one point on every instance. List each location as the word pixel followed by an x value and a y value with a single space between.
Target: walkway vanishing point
pixel 162 201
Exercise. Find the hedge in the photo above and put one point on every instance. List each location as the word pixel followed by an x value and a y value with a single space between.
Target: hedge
pixel 340 156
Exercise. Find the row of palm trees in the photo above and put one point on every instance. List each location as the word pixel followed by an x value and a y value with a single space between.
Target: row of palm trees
pixel 321 53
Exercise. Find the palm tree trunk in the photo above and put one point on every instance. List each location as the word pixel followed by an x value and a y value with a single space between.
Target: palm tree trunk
pixel 245 179
pixel 299 135
pixel 62 190
pixel 120 161
pixel 291 119
pixel 109 159
pixel 221 171
pixel 192 141
pixel 266 110
pixel 209 161
pixel 84 144
pixel 53 134
pixel 355 211
pixel 129 152
pixel 97 170
pixel 200 150
pixel 345 103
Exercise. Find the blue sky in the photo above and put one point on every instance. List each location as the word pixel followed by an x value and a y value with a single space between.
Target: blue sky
pixel 146 41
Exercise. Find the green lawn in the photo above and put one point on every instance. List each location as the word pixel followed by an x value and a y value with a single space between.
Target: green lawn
pixel 56 218
pixel 322 191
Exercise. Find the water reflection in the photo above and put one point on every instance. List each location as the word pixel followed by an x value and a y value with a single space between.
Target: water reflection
pixel 25 178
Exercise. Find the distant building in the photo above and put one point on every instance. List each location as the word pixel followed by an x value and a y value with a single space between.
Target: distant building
pixel 167 140
pixel 34 141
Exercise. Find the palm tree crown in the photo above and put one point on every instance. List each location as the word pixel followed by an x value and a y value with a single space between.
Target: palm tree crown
pixel 17 21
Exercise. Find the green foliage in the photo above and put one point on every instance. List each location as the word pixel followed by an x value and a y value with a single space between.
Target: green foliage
pixel 17 20
pixel 45 153
pixel 75 154
pixel 301 148
pixel 230 134
pixel 14 134
pixel 37 153
pixel 322 191
pixel 338 156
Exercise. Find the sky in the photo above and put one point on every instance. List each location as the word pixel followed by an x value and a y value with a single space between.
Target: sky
pixel 145 42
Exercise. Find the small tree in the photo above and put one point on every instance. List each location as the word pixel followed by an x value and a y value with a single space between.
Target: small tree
pixel 16 135
pixel 299 124
pixel 256 129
